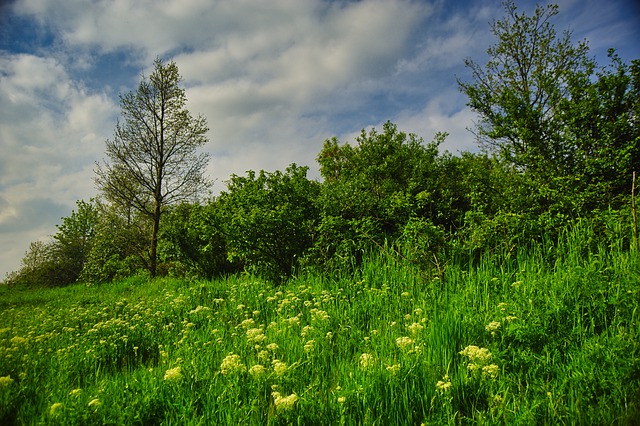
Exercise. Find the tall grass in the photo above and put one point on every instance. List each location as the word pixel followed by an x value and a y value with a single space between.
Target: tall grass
pixel 531 339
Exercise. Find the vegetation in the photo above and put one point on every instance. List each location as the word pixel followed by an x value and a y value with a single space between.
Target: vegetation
pixel 153 155
pixel 408 286
pixel 551 336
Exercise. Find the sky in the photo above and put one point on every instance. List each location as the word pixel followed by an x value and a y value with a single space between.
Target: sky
pixel 274 80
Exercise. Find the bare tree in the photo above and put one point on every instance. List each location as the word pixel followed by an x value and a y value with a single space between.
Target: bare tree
pixel 152 158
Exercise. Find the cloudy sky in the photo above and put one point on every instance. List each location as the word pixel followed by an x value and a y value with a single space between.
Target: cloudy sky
pixel 273 78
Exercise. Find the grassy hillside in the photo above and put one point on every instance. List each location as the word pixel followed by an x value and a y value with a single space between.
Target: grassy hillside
pixel 524 340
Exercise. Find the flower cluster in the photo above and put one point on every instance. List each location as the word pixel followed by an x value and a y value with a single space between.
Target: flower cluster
pixel 490 371
pixel 476 354
pixel 309 346
pixel 255 335
pixel 393 369
pixel 279 367
pixel 94 404
pixel 319 315
pixel 5 381
pixel 55 409
pixel 173 374
pixel 479 361
pixel 257 370
pixel 284 403
pixel 367 361
pixel 415 328
pixel 492 327
pixel 232 364
pixel 404 343
pixel 443 385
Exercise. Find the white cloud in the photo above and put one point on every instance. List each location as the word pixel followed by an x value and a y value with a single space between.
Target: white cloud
pixel 51 131
pixel 444 113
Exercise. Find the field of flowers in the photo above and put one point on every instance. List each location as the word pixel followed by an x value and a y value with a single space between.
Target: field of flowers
pixel 511 341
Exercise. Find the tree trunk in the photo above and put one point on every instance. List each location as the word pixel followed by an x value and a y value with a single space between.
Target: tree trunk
pixel 154 241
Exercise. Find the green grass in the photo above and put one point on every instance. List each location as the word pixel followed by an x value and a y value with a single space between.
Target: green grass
pixel 561 345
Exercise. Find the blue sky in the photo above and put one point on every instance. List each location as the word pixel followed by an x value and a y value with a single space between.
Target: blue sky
pixel 273 78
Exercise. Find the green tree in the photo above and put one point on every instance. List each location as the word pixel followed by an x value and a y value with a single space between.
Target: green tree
pixel 194 242
pixel 372 189
pixel 37 268
pixel 60 261
pixel 74 240
pixel 269 220
pixel 517 92
pixel 569 128
pixel 602 123
pixel 120 246
pixel 153 155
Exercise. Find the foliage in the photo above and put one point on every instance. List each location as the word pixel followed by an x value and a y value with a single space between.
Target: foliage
pixel 37 268
pixel 517 91
pixel 269 220
pixel 193 241
pixel 372 189
pixel 570 131
pixel 153 158
pixel 74 240
pixel 414 286
pixel 563 139
pixel 515 340
pixel 120 246
pixel 602 124
pixel 59 262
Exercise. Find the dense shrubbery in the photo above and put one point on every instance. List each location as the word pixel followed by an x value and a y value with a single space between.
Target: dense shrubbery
pixel 390 191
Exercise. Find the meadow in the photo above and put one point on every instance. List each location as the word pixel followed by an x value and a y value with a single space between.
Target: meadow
pixel 549 335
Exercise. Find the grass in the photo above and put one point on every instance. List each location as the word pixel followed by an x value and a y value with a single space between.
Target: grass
pixel 514 340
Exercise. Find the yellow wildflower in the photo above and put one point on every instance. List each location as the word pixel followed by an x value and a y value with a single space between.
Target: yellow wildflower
pixel 173 374
pixel 279 367
pixel 415 328
pixel 367 360
pixel 309 346
pixel 319 315
pixel 257 370
pixel 94 404
pixel 5 381
pixel 248 323
pixel 492 327
pixel 284 403
pixel 393 369
pixel 55 409
pixel 443 386
pixel 17 340
pixel 476 355
pixel 490 371
pixel 232 364
pixel 255 335
pixel 404 342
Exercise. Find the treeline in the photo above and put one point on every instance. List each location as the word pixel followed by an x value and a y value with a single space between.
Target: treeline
pixel 561 139
pixel 389 191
